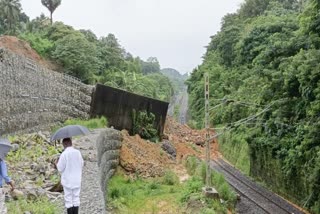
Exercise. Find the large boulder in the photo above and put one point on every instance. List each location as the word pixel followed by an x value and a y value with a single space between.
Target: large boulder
pixel 169 148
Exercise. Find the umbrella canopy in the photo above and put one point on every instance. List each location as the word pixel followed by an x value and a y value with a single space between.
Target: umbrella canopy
pixel 5 147
pixel 69 131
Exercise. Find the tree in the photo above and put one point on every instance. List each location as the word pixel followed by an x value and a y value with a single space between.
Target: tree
pixel 262 57
pixel 39 24
pixel 111 54
pixel 9 14
pixel 77 55
pixel 51 5
pixel 150 66
pixel 90 36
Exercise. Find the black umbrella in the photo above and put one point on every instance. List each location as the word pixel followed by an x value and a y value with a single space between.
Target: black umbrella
pixel 5 147
pixel 69 131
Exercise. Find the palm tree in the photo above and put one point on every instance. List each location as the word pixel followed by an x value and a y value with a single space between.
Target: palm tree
pixel 51 5
pixel 10 11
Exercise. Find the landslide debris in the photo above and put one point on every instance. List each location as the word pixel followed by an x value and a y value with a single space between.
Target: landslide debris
pixel 148 159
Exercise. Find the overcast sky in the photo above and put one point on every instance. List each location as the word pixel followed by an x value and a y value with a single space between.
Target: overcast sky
pixel 174 31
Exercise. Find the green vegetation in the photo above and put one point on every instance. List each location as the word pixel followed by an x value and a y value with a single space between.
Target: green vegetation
pixel 94 123
pixel 140 195
pixel 81 54
pixel 191 165
pixel 10 16
pixel 264 66
pixel 236 150
pixel 39 206
pixel 23 154
pixel 167 195
pixel 170 178
pixel 197 169
pixel 143 125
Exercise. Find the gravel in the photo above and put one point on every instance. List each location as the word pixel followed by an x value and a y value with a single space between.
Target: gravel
pixel 254 197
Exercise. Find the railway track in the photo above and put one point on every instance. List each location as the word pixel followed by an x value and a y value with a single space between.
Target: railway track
pixel 264 200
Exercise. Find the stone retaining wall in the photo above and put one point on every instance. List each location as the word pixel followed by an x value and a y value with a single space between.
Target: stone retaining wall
pixel 108 151
pixel 33 98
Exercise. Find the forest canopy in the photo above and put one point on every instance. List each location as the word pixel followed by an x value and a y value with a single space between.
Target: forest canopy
pixel 264 82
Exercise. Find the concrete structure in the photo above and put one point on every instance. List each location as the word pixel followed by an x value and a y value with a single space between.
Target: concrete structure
pixel 117 105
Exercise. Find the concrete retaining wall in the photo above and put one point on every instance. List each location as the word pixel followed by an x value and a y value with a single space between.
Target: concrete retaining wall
pixel 117 105
pixel 34 98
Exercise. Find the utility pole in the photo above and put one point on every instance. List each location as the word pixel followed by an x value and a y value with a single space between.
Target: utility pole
pixel 206 94
pixel 208 190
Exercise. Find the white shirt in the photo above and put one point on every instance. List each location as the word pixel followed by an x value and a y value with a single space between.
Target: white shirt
pixel 70 166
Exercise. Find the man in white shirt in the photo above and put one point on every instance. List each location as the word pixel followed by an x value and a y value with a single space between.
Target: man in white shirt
pixel 70 166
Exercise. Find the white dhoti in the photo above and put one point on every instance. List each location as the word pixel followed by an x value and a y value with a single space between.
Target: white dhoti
pixel 3 208
pixel 71 197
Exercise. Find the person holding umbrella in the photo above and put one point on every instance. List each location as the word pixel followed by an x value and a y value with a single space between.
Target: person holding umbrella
pixel 70 164
pixel 5 147
pixel 4 175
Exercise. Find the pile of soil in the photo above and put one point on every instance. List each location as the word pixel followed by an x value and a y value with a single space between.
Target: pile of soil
pixel 143 157
pixel 184 133
pixel 189 141
pixel 23 48
pixel 148 159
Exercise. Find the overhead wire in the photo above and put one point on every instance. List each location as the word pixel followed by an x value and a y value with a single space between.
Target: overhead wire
pixel 246 120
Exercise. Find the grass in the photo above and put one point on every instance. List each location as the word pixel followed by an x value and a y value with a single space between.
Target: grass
pixel 170 178
pixel 142 195
pixel 39 206
pixel 90 124
pixel 191 164
pixel 217 181
pixel 94 123
pixel 167 195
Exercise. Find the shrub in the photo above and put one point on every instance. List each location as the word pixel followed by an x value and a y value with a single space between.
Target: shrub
pixel 143 125
pixel 42 45
pixel 207 211
pixel 191 164
pixel 153 185
pixel 90 124
pixel 193 185
pixel 114 193
pixel 170 178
